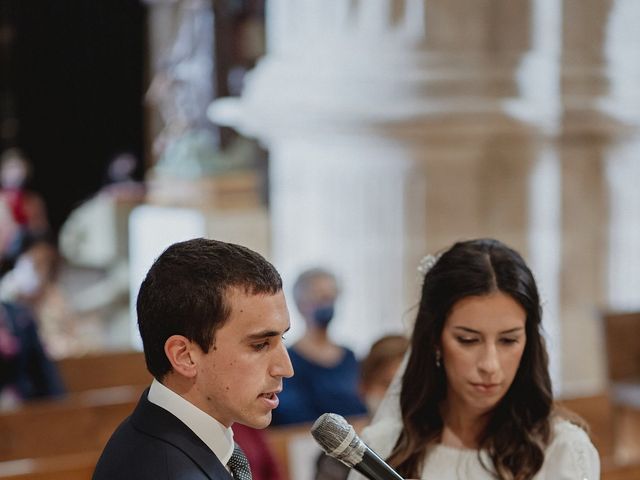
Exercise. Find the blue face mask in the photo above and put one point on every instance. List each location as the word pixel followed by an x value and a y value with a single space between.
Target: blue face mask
pixel 323 315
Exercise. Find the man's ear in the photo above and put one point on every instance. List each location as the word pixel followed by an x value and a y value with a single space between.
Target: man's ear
pixel 179 351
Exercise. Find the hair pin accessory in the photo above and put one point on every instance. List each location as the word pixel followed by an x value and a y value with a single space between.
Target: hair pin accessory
pixel 426 263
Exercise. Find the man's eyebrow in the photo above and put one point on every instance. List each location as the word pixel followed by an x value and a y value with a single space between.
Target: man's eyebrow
pixel 471 330
pixel 266 334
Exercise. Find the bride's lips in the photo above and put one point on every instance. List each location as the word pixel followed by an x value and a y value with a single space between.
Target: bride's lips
pixel 486 387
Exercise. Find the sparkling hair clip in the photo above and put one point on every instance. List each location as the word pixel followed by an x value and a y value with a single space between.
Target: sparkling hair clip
pixel 426 264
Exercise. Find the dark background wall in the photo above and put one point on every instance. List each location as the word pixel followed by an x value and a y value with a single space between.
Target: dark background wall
pixel 74 83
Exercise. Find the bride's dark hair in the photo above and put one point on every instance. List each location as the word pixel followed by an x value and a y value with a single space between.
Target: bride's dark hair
pixel 519 427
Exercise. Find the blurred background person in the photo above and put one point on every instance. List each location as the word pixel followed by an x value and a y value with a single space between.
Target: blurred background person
pixel 379 367
pixel 26 368
pixel 121 182
pixel 23 211
pixel 94 241
pixel 326 373
pixel 33 284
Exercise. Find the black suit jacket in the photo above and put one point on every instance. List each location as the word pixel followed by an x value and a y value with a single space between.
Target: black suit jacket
pixel 152 444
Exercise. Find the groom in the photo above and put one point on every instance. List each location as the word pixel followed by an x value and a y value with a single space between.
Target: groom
pixel 212 316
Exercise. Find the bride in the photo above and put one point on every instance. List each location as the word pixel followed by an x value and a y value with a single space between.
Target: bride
pixel 473 399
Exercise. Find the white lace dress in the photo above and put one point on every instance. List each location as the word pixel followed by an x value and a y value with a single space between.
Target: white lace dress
pixel 569 456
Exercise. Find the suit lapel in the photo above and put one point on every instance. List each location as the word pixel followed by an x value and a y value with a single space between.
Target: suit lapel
pixel 158 422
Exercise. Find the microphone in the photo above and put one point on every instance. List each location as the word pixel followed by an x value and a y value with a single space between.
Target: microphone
pixel 339 440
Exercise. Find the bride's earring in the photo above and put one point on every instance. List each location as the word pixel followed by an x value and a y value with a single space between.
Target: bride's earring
pixel 438 359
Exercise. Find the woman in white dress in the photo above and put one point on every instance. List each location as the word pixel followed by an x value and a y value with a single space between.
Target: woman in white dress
pixel 474 399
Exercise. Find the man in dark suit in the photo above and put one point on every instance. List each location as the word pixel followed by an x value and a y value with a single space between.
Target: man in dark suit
pixel 212 316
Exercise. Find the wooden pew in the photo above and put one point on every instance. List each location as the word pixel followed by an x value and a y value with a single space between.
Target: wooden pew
pixel 597 411
pixel 75 466
pixel 62 438
pixel 621 472
pixel 600 414
pixel 105 369
pixel 80 422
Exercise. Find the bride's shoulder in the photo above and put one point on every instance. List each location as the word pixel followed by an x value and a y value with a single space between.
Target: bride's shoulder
pixel 571 450
pixel 566 430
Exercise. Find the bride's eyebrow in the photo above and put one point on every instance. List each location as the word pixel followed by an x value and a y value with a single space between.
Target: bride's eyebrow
pixel 512 330
pixel 467 330
pixel 471 330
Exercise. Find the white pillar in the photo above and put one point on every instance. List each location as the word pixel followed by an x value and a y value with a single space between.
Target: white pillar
pixel 622 174
pixel 364 106
pixel 599 121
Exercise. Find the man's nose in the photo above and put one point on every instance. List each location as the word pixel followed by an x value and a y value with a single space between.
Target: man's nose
pixel 282 364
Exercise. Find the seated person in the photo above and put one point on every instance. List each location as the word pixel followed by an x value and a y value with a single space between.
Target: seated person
pixel 22 210
pixel 32 282
pixel 326 374
pixel 26 371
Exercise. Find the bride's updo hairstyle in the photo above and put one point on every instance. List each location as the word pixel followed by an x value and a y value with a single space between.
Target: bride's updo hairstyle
pixel 519 426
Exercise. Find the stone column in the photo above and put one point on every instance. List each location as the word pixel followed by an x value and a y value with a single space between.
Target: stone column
pixel 195 188
pixel 622 167
pixel 597 137
pixel 389 125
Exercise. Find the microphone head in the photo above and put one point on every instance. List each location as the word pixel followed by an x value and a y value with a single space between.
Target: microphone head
pixel 338 439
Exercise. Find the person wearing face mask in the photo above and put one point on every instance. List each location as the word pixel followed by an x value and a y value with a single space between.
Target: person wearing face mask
pixel 327 374
pixel 22 210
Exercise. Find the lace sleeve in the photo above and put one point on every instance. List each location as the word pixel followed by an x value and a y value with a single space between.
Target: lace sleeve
pixel 571 455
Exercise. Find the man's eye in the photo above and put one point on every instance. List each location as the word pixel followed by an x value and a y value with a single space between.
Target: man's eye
pixel 260 346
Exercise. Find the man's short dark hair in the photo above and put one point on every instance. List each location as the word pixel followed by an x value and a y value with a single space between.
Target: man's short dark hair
pixel 185 293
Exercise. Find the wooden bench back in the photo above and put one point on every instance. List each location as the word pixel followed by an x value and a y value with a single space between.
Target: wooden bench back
pixel 82 422
pixel 74 466
pixel 101 370
pixel 622 339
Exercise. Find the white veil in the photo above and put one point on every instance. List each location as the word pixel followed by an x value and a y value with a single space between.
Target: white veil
pixel 385 427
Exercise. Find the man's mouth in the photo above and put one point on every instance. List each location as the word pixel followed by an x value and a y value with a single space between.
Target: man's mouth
pixel 271 398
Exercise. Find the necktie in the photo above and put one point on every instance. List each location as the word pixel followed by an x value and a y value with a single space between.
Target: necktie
pixel 239 465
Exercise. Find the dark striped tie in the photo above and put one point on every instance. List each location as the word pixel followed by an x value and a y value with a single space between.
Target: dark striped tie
pixel 239 465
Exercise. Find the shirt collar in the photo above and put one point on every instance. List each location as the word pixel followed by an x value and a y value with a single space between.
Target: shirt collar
pixel 215 435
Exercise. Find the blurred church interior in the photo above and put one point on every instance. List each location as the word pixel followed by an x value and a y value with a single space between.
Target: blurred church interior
pixel 356 134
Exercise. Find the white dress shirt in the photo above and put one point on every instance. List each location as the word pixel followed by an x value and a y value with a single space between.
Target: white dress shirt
pixel 215 435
